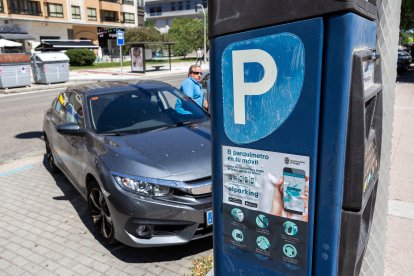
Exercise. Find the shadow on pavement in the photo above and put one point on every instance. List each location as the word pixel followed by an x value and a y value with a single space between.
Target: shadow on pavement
pixel 162 254
pixel 30 135
pixel 406 77
pixel 120 251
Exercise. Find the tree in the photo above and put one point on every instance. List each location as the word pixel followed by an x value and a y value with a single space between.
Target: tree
pixel 407 15
pixel 144 34
pixel 149 24
pixel 187 33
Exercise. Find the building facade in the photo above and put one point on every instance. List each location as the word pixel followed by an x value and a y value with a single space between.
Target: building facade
pixel 163 12
pixel 30 22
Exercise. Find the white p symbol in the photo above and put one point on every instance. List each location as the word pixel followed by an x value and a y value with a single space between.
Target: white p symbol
pixel 242 88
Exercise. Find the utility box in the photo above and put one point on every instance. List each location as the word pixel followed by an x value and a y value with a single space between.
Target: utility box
pixel 296 119
pixel 14 70
pixel 50 67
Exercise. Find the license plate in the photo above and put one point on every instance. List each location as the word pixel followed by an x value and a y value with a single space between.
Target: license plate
pixel 209 217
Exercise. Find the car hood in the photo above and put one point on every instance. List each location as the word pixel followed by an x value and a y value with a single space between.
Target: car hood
pixel 180 153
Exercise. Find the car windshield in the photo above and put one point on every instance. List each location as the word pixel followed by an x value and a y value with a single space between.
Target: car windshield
pixel 141 110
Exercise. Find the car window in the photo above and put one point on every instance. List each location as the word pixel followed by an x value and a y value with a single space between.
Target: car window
pixel 141 110
pixel 74 109
pixel 68 106
pixel 60 105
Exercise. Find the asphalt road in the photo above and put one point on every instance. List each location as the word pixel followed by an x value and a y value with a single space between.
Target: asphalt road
pixel 21 119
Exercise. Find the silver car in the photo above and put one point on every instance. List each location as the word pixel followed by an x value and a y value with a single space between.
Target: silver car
pixel 140 156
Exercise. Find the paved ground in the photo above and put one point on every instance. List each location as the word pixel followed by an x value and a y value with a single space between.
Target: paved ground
pixel 400 233
pixel 45 229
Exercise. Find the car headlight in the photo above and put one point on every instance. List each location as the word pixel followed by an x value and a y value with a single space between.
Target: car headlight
pixel 142 186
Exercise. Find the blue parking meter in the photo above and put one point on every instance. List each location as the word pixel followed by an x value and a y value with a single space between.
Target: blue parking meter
pixel 296 110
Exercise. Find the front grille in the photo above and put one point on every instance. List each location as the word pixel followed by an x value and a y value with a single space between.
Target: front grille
pixel 168 230
pixel 197 187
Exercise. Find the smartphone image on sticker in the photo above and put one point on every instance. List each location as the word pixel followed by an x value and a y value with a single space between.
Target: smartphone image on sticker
pixel 293 190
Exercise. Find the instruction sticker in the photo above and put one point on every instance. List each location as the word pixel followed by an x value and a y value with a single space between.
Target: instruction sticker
pixel 265 205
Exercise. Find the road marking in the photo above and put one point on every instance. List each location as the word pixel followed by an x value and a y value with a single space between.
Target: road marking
pixel 16 170
pixel 401 209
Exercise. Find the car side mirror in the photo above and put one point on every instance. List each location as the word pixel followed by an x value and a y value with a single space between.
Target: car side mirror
pixel 70 129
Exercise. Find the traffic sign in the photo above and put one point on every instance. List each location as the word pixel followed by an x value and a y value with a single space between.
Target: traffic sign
pixel 120 41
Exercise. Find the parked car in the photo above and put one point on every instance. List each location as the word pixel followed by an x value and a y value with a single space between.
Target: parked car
pixel 143 166
pixel 404 61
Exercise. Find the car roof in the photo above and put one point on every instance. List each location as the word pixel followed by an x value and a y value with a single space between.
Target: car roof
pixel 103 87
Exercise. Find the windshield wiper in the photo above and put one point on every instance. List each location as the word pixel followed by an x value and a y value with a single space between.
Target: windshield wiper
pixel 113 133
pixel 172 126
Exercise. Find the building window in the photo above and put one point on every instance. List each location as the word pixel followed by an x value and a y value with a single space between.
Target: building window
pixel 33 8
pixel 180 5
pixel 23 7
pixel 155 11
pixel 188 5
pixel 128 2
pixel 91 14
pixel 109 16
pixel 1 6
pixel 76 12
pixel 172 6
pixel 129 18
pixel 141 3
pixel 55 10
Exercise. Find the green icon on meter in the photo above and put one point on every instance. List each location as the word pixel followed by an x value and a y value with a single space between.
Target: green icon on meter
pixel 237 214
pixel 262 242
pixel 289 250
pixel 262 221
pixel 237 235
pixel 290 228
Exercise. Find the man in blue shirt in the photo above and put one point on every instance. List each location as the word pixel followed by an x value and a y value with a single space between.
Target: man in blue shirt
pixel 192 88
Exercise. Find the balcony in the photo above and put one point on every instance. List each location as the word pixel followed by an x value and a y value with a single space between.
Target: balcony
pixel 110 5
pixel 26 12
pixel 109 19
pixel 128 2
pixel 112 1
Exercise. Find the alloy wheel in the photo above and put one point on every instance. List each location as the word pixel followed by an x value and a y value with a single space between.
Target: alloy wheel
pixel 101 216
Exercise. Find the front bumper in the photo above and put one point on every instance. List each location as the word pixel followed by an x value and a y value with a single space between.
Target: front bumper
pixel 148 222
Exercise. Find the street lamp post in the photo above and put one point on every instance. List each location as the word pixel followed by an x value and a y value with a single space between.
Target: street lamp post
pixel 205 45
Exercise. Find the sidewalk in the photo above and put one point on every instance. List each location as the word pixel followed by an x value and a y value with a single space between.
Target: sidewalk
pixel 399 250
pixel 109 74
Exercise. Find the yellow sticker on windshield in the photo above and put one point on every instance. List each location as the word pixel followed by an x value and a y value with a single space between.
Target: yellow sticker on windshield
pixel 61 100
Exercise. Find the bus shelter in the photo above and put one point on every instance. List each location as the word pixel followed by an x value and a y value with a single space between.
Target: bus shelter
pixel 139 55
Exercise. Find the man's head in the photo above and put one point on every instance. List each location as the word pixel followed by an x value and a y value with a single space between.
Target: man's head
pixel 195 72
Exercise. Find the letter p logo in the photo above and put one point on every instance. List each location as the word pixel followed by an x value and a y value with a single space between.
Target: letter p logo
pixel 262 80
pixel 242 88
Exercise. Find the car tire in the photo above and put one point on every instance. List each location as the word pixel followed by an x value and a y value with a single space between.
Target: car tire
pixel 50 158
pixel 100 215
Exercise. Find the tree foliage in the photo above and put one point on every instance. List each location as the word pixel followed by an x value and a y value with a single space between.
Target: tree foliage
pixel 187 33
pixel 80 57
pixel 144 34
pixel 407 15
